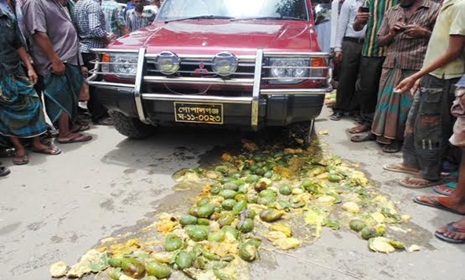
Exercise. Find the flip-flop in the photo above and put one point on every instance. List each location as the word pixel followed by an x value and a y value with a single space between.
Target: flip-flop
pixel 445 189
pixel 398 167
pixel 417 183
pixel 80 127
pixel 4 171
pixel 21 160
pixel 359 129
pixel 75 139
pixel 435 202
pixel 367 136
pixel 105 121
pixel 394 147
pixel 50 150
pixel 451 228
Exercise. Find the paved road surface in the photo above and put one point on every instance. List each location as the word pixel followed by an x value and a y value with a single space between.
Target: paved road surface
pixel 56 208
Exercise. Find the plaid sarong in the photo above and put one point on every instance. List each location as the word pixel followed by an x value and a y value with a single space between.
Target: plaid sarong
pixel 21 113
pixel 62 93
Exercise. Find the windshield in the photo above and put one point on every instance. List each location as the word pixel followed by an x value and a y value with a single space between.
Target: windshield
pixel 233 9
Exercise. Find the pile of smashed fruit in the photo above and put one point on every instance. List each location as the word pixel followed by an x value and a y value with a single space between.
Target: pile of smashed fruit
pixel 276 198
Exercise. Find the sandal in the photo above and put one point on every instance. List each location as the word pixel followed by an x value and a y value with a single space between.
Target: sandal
pixel 367 136
pixel 79 128
pixel 400 168
pixel 394 147
pixel 417 183
pixel 74 138
pixel 50 150
pixel 448 232
pixel 445 189
pixel 21 159
pixel 359 129
pixel 4 171
pixel 438 202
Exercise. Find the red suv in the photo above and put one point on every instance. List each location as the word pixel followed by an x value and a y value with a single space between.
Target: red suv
pixel 239 63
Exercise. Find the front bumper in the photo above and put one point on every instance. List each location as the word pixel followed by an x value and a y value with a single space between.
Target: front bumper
pixel 262 106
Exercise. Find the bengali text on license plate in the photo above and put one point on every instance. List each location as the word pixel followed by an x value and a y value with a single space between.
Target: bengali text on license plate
pixel 198 113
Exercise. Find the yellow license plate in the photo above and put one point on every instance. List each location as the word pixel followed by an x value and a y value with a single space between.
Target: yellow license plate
pixel 198 113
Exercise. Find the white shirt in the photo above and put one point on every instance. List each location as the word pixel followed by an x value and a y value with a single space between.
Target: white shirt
pixel 334 19
pixel 345 22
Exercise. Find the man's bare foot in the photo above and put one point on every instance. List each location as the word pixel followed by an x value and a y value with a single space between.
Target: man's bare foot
pixel 401 168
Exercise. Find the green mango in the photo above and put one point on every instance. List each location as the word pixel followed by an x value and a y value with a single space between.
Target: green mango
pixel 241 205
pixel 133 267
pixel 186 219
pixel 231 231
pixel 217 236
pixel 231 186
pixel 216 188
pixel 252 179
pixel 172 242
pixel 270 215
pixel 248 252
pixel 154 268
pixel 228 194
pixel 184 260
pixel 285 190
pixel 197 233
pixel 202 201
pixel 228 204
pixel 245 226
pixel 203 221
pixel 226 218
pixel 265 193
pixel 115 262
pixel 357 225
pixel 205 210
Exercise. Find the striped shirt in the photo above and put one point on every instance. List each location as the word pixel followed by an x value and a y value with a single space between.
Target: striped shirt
pixel 137 21
pixel 114 17
pixel 377 10
pixel 90 22
pixel 407 52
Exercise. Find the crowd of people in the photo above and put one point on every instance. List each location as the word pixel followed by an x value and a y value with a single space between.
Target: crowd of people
pixel 44 55
pixel 401 67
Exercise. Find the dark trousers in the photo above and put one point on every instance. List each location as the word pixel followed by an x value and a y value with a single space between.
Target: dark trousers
pixel 96 109
pixel 370 73
pixel 346 100
pixel 429 126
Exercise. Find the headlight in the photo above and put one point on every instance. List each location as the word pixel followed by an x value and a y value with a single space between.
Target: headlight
pixel 288 70
pixel 167 63
pixel 124 65
pixel 224 64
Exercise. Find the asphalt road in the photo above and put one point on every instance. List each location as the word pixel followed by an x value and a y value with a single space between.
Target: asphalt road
pixel 58 207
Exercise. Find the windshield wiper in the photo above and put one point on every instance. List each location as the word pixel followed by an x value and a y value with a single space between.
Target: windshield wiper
pixel 200 17
pixel 270 18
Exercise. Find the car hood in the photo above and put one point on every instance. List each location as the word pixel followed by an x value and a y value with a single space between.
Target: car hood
pixel 204 37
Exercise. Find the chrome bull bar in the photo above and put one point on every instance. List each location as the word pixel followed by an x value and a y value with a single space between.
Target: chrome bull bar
pixel 139 77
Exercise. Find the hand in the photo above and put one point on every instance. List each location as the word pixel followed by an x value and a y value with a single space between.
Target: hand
pixel 84 71
pixel 416 31
pixel 406 85
pixel 397 28
pixel 58 68
pixel 32 76
pixel 338 56
pixel 362 17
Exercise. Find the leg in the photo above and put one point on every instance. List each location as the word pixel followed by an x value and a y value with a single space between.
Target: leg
pixel 96 109
pixel 351 53
pixel 20 156
pixel 370 73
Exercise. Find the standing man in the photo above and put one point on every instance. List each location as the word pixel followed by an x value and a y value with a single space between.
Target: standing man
pixel 371 65
pixel 138 17
pixel 348 49
pixel 115 24
pixel 55 50
pixel 405 32
pixel 429 123
pixel 90 22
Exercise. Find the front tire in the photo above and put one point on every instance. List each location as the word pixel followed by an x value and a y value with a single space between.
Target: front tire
pixel 131 127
